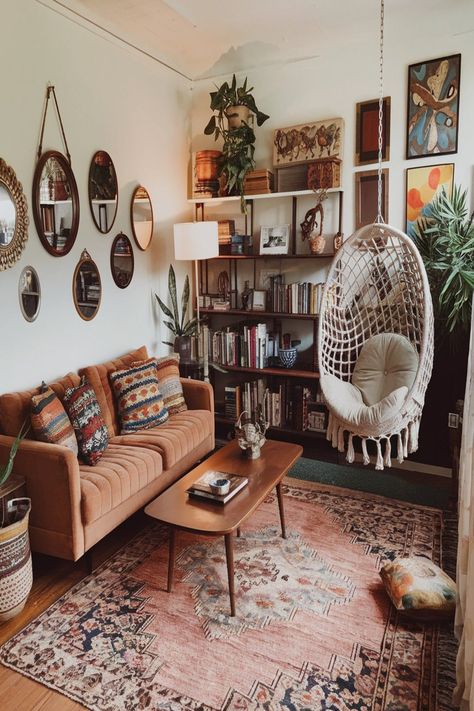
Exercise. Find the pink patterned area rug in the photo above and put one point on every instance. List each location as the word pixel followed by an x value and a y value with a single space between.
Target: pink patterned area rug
pixel 314 628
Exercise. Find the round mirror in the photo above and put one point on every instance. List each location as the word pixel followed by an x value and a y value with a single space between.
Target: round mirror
pixel 103 191
pixel 29 292
pixel 13 217
pixel 121 261
pixel 142 217
pixel 55 203
pixel 86 287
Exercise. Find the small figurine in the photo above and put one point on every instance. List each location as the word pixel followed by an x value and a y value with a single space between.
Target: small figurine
pixel 245 296
pixel 251 435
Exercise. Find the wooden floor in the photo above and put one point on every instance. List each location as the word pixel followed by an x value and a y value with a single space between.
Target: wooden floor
pixel 52 578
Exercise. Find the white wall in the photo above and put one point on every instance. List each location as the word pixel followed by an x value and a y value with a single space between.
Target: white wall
pixel 110 98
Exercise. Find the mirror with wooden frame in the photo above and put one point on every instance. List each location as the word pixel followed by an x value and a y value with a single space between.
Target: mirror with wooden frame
pixel 141 215
pixel 29 293
pixel 55 203
pixel 86 287
pixel 13 217
pixel 103 191
pixel 122 262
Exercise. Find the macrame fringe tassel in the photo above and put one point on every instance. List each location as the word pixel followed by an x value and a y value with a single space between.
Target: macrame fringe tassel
pixel 379 462
pixel 365 454
pixel 350 449
pixel 388 453
pixel 400 449
pixel 340 439
pixel 329 429
pixel 405 442
pixel 335 427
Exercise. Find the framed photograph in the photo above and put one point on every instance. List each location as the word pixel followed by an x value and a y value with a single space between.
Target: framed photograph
pixel 258 300
pixel 422 185
pixel 367 131
pixel 308 141
pixel 275 240
pixel 433 107
pixel 366 194
pixel 265 278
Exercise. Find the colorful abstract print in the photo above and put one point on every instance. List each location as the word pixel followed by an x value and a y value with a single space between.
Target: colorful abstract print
pixel 50 422
pixel 86 418
pixel 433 106
pixel 139 399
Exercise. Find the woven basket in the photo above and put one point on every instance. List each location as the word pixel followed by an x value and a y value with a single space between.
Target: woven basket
pixel 16 573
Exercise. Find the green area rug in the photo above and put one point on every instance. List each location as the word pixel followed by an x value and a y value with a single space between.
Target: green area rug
pixel 406 486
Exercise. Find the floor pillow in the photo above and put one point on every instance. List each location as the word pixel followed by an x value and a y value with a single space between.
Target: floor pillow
pixel 50 422
pixel 84 412
pixel 138 395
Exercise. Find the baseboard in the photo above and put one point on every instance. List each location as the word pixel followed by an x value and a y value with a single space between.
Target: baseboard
pixel 418 467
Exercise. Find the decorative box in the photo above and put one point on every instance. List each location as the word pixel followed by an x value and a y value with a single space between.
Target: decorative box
pixel 324 173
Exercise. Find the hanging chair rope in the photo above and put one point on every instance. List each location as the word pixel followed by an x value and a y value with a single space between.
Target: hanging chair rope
pixel 380 219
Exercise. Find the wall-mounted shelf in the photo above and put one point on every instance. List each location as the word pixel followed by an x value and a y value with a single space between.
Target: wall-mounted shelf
pixel 274 256
pixel 279 372
pixel 262 196
pixel 258 314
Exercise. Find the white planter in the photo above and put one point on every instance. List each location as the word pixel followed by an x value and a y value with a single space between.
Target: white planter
pixel 236 115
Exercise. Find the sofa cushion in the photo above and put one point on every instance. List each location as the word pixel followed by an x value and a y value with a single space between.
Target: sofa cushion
pixel 176 438
pixel 15 407
pixel 170 384
pixel 139 400
pixel 84 412
pixel 98 377
pixel 121 473
pixel 50 422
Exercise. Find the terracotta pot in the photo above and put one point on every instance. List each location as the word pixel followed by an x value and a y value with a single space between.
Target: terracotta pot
pixel 207 165
pixel 236 115
pixel 16 572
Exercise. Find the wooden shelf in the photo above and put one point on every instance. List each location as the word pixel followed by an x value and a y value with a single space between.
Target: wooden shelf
pixel 221 419
pixel 281 372
pixel 262 196
pixel 274 256
pixel 262 314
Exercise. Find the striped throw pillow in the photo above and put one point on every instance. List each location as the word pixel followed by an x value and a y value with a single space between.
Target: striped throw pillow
pixel 138 396
pixel 170 383
pixel 84 412
pixel 50 422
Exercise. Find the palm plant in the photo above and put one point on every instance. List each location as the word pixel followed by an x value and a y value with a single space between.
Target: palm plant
pixel 445 240
pixel 179 323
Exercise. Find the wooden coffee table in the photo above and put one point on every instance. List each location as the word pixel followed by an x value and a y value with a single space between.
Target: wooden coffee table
pixel 183 512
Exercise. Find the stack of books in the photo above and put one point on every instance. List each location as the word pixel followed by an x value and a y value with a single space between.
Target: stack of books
pixel 295 298
pixel 226 228
pixel 201 488
pixel 258 182
pixel 206 172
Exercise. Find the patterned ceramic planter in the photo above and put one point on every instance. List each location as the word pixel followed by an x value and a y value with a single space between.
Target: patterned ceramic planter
pixel 16 573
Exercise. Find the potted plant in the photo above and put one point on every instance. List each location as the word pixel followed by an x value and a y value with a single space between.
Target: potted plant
pixel 16 573
pixel 179 324
pixel 233 105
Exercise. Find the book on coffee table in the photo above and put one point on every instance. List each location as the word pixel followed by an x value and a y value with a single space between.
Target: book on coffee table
pixel 201 488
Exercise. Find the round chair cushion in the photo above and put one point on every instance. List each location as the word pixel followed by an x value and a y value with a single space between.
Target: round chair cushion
pixel 386 362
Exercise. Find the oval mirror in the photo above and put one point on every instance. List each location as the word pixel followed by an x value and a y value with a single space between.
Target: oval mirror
pixel 29 292
pixel 142 217
pixel 103 191
pixel 86 287
pixel 55 203
pixel 121 261
pixel 13 217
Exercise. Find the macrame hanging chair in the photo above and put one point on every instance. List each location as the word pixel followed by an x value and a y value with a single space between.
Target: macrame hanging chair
pixel 375 338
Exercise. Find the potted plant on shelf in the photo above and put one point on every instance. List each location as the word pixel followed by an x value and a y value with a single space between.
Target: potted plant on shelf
pixel 233 105
pixel 179 324
pixel 16 573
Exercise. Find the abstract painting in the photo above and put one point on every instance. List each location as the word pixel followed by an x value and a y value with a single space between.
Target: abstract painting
pixel 422 186
pixel 310 141
pixel 366 197
pixel 367 131
pixel 433 107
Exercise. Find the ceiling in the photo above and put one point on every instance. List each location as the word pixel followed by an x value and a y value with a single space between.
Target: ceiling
pixel 208 38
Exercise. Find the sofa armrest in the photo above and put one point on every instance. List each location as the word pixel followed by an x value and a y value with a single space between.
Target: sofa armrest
pixel 198 394
pixel 51 473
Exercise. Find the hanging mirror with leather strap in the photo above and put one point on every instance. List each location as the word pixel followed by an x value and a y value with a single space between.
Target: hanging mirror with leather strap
pixel 55 194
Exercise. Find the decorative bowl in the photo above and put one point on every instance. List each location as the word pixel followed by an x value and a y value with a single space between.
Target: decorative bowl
pixel 220 486
pixel 287 357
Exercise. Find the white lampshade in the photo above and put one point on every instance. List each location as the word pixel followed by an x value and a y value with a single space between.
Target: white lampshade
pixel 196 240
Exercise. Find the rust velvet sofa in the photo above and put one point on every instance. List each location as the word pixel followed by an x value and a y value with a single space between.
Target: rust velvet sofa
pixel 74 505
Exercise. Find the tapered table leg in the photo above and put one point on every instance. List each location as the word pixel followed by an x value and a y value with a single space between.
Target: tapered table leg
pixel 238 533
pixel 171 558
pixel 282 510
pixel 229 551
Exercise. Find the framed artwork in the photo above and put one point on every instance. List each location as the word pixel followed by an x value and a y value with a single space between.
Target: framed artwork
pixel 433 107
pixel 366 194
pixel 265 278
pixel 421 187
pixel 275 240
pixel 258 300
pixel 367 131
pixel 309 141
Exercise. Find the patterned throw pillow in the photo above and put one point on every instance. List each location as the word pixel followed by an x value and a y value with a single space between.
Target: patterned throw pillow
pixel 170 384
pixel 86 418
pixel 138 396
pixel 49 420
pixel 419 588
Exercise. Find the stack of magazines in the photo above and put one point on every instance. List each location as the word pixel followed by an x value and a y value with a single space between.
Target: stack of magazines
pixel 201 488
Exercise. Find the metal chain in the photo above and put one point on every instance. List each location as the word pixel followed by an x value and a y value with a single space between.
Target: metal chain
pixel 380 219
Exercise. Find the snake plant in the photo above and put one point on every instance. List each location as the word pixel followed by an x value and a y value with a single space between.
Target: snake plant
pixel 179 324
pixel 7 468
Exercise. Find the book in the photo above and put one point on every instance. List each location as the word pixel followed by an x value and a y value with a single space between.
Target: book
pixel 201 488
